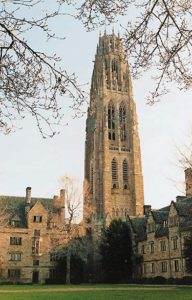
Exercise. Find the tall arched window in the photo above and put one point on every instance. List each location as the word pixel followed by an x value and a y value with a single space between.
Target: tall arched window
pixel 122 122
pixel 125 175
pixel 114 173
pixel 111 121
pixel 115 71
pixel 107 70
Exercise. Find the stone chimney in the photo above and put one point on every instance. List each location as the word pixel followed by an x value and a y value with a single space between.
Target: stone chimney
pixel 188 182
pixel 28 195
pixel 146 209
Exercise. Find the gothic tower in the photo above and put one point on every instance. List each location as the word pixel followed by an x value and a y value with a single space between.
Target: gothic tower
pixel 112 148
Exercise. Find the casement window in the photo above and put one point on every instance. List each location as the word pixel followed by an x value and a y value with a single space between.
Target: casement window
pixel 14 273
pixel 14 256
pixel 15 240
pixel 164 266
pixel 37 219
pixel 162 245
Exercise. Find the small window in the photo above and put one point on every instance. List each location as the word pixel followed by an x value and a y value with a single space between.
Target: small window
pixel 52 273
pixel 15 240
pixel 151 245
pixel 14 256
pixel 144 268
pixel 162 245
pixel 35 246
pixel 14 273
pixel 163 266
pixel 15 223
pixel 174 243
pixel 36 263
pixel 143 249
pixel 176 265
pixel 37 219
pixel 37 232
pixel 153 268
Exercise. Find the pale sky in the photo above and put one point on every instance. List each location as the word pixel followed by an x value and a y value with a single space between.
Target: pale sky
pixel 28 160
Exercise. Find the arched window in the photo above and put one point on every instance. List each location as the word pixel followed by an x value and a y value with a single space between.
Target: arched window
pixel 114 68
pixel 125 175
pixel 114 173
pixel 113 213
pixel 122 122
pixel 111 121
pixel 107 72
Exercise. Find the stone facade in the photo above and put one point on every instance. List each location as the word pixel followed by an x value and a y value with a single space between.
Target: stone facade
pixel 29 237
pixel 160 236
pixel 112 148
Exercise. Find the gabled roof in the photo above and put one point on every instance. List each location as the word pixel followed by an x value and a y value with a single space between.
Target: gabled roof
pixel 139 226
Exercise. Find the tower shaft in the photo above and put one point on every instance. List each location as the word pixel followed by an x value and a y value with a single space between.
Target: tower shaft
pixel 112 148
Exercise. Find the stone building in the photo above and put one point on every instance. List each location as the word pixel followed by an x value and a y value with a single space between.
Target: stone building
pixel 112 148
pixel 160 235
pixel 29 235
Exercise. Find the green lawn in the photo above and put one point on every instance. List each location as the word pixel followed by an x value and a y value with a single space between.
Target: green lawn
pixel 94 292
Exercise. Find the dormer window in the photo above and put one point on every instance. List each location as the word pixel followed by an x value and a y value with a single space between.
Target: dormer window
pixel 15 223
pixel 37 219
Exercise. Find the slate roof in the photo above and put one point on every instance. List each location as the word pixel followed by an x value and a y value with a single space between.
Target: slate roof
pixel 15 206
pixel 139 226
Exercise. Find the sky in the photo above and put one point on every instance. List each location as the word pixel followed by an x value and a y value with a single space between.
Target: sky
pixel 29 160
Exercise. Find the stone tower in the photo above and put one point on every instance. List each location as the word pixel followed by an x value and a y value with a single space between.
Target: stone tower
pixel 112 148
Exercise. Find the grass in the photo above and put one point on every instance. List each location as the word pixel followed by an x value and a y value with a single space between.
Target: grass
pixel 95 292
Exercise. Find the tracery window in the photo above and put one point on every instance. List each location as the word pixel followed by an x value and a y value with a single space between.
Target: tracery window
pixel 125 175
pixel 111 121
pixel 115 71
pixel 114 169
pixel 122 122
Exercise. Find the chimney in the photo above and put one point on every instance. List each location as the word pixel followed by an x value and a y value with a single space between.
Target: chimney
pixel 188 182
pixel 146 209
pixel 28 195
pixel 62 197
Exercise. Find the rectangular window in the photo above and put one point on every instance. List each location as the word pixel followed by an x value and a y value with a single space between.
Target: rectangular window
pixel 54 256
pixel 37 219
pixel 36 262
pixel 162 245
pixel 174 241
pixel 37 232
pixel 15 240
pixel 52 273
pixel 176 265
pixel 14 273
pixel 152 267
pixel 163 266
pixel 35 246
pixel 144 268
pixel 14 256
pixel 143 249
pixel 151 247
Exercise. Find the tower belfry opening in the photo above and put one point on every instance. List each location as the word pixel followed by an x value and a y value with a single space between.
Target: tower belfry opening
pixel 112 148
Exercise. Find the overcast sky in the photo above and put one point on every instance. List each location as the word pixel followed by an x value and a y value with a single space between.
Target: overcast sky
pixel 28 160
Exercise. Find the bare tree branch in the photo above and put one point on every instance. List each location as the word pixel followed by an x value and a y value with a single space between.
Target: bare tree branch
pixel 30 81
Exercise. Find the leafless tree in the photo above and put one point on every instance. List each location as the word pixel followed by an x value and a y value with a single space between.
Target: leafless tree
pixel 31 80
pixel 159 38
